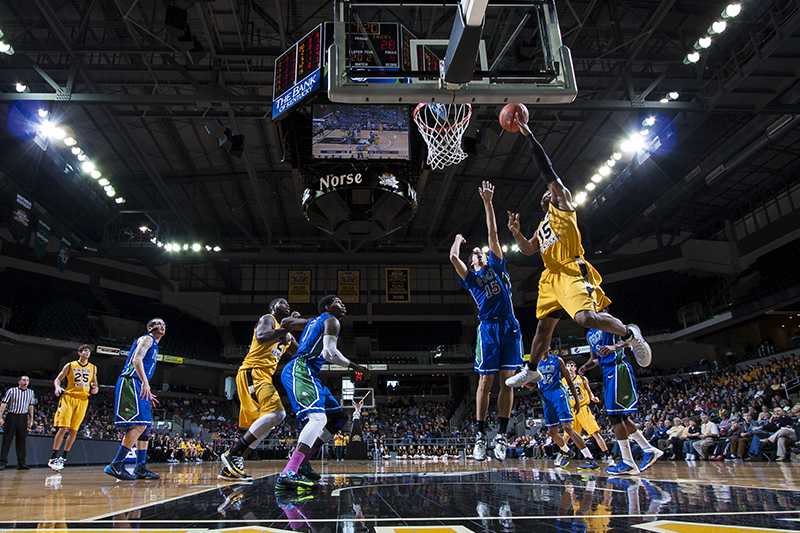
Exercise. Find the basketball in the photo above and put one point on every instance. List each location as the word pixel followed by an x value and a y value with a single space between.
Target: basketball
pixel 507 114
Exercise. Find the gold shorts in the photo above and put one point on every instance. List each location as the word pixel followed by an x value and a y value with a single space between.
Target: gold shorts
pixel 257 395
pixel 70 412
pixel 575 287
pixel 585 421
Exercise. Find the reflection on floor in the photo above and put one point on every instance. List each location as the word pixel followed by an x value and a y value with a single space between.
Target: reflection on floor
pixel 518 496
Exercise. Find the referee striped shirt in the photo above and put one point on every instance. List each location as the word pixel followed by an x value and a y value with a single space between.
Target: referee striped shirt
pixel 19 400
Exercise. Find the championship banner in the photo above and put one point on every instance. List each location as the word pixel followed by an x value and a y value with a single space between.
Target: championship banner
pixel 20 225
pixel 62 257
pixel 299 286
pixel 349 286
pixel 40 239
pixel 398 285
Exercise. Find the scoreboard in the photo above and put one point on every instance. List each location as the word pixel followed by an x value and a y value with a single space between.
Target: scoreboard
pixel 298 72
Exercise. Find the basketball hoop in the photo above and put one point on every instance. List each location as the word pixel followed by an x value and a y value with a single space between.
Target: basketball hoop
pixel 442 126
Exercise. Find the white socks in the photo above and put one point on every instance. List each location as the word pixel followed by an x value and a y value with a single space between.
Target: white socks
pixel 625 450
pixel 586 452
pixel 639 439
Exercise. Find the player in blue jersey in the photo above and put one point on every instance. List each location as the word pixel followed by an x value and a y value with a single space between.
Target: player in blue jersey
pixel 133 403
pixel 557 412
pixel 311 401
pixel 621 400
pixel 498 347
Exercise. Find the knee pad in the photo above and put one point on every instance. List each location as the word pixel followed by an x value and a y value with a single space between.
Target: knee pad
pixel 145 436
pixel 336 421
pixel 313 428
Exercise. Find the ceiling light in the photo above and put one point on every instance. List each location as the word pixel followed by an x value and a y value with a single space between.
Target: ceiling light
pixel 186 246
pixel 58 133
pixel 611 163
pixel 590 186
pixel 70 141
pixel 76 150
pixel 504 248
pixel 154 240
pixel 604 171
pixel 485 249
pixel 649 121
pixel 644 133
pixel 664 101
pixel 632 144
pixel 196 247
pixel 110 192
pixel 515 248
pixel 120 200
pixel 704 42
pixel 208 248
pixel 21 87
pixel 617 156
pixel 693 57
pixel 673 95
pixel 217 249
pixel 96 174
pixel 718 27
pixel 81 157
pixel 104 182
pixel 580 198
pixel 87 166
pixel 144 229
pixel 6 48
pixel 597 178
pixel 159 244
pixel 43 113
pixel 732 10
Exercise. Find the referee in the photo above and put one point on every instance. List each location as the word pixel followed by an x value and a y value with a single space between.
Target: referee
pixel 19 403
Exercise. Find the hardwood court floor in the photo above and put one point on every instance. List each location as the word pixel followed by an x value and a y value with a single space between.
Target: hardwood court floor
pixel 413 497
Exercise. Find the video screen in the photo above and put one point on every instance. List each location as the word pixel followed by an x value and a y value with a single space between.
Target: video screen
pixel 360 132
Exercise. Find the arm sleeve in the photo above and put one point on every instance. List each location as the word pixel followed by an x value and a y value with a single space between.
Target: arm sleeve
pixel 542 159
pixel 331 353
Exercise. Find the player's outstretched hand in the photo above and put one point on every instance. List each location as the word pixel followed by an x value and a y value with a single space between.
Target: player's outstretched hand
pixel 295 314
pixel 523 126
pixel 513 222
pixel 460 239
pixel 486 190
pixel 360 368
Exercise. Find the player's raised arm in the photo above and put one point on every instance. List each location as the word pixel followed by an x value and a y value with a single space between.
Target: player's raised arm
pixel 455 252
pixel 59 378
pixel 330 351
pixel 526 246
pixel 266 333
pixel 486 191
pixel 561 195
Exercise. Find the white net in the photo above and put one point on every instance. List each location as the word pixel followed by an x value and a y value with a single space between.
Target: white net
pixel 442 126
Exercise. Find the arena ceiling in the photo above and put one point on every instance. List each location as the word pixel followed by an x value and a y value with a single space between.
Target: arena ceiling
pixel 139 96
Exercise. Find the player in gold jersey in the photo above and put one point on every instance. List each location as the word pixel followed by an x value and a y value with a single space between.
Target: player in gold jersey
pixel 584 419
pixel 260 407
pixel 568 283
pixel 81 376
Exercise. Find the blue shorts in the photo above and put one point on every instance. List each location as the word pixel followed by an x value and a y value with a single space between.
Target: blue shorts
pixel 619 389
pixel 556 408
pixel 305 390
pixel 498 346
pixel 129 408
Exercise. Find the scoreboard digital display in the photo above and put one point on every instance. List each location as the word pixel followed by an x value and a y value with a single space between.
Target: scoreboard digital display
pixel 297 72
pixel 373 45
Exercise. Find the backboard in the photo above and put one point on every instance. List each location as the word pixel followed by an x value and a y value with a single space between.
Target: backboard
pixel 447 51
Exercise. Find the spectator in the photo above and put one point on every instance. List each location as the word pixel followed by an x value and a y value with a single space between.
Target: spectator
pixel 709 433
